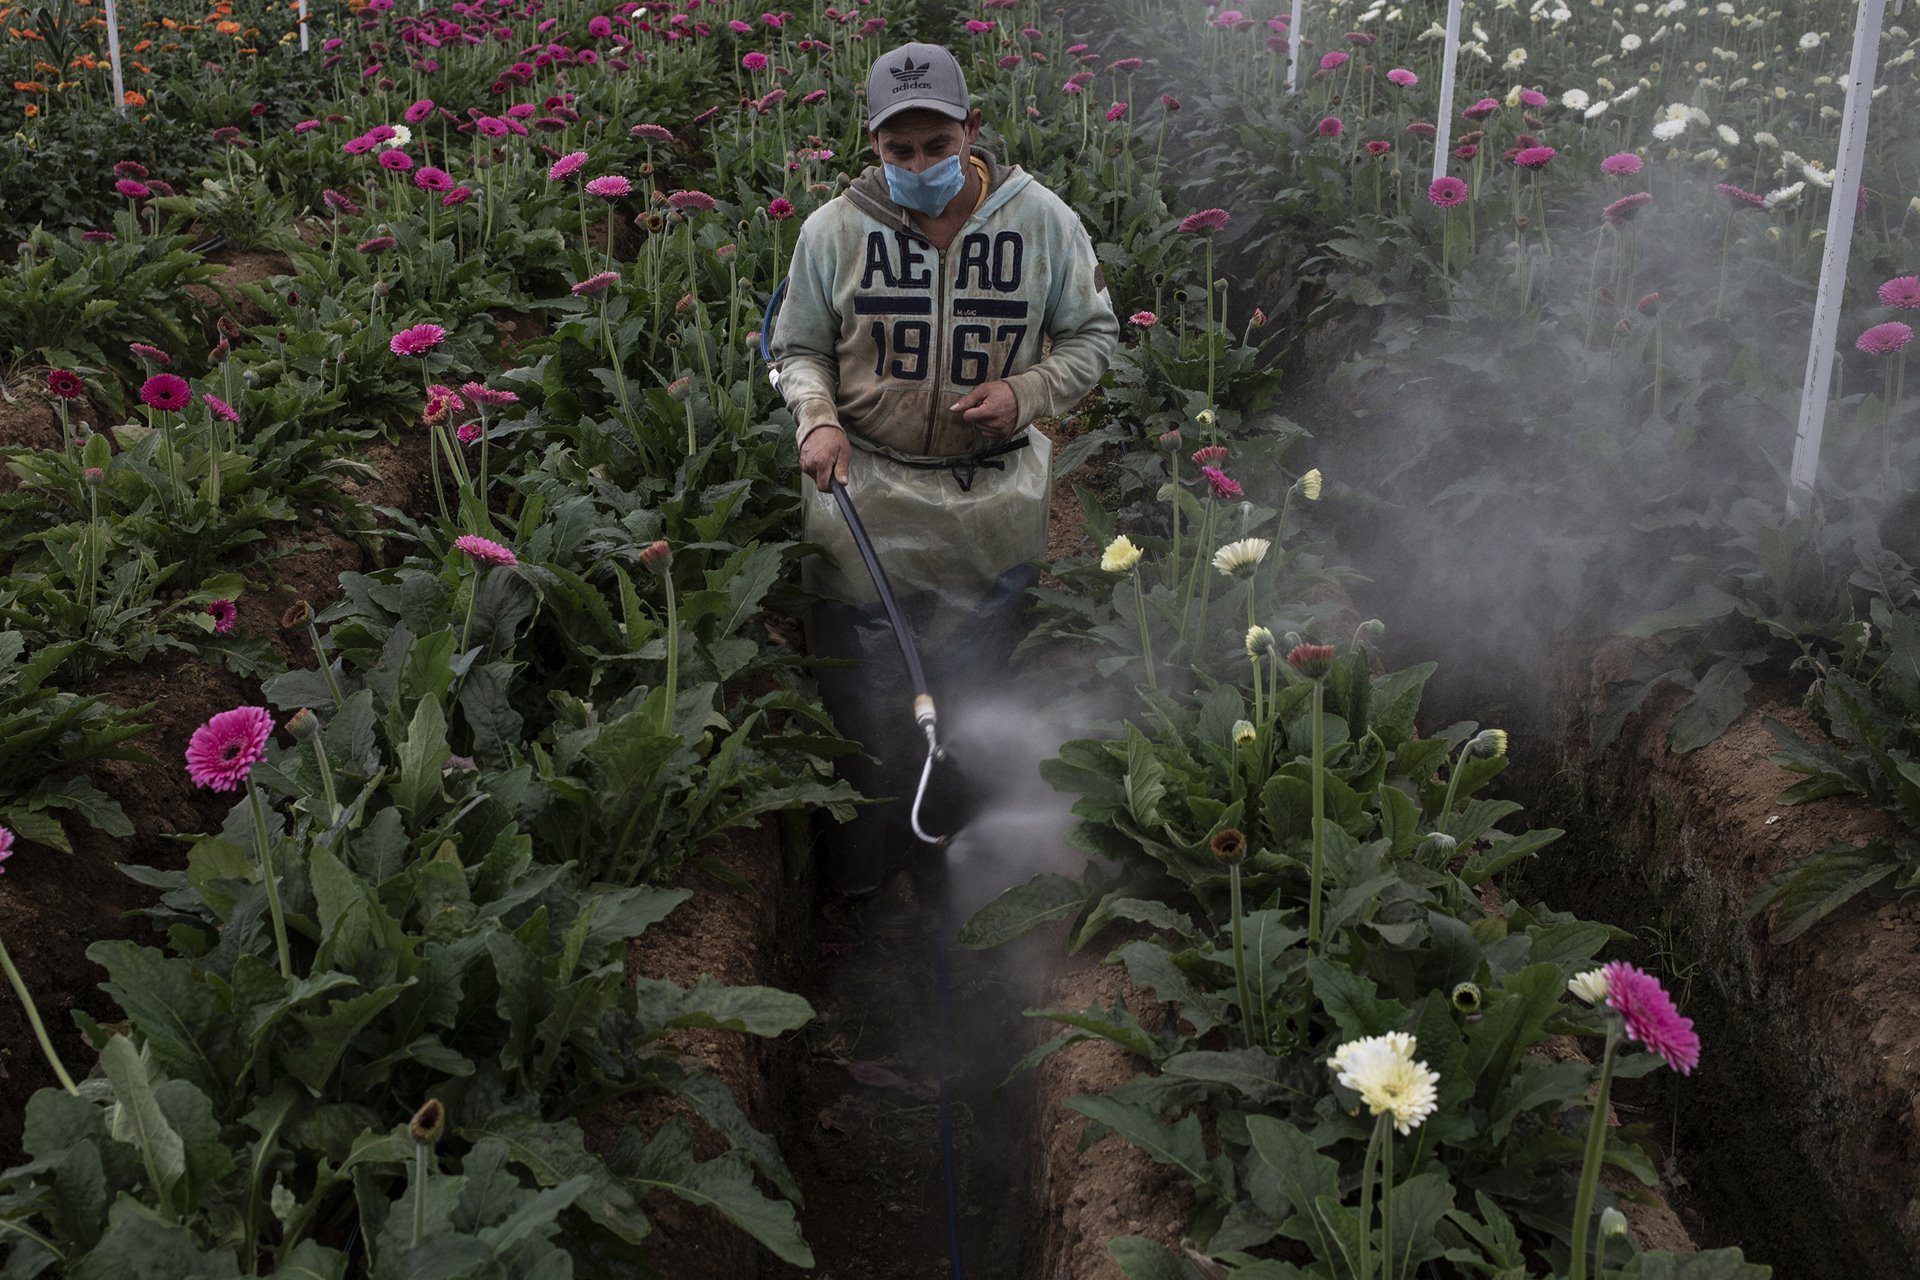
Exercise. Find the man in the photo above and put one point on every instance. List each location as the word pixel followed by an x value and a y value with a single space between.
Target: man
pixel 933 311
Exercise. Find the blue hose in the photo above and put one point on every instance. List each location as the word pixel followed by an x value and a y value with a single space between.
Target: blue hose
pixel 766 319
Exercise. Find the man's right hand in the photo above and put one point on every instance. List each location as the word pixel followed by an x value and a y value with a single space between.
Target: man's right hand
pixel 825 455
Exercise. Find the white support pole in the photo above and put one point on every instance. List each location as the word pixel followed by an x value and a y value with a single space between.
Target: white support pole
pixel 113 57
pixel 1443 122
pixel 1293 47
pixel 1833 264
pixel 303 26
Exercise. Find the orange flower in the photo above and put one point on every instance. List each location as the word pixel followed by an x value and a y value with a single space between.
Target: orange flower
pixel 246 49
pixel 143 68
pixel 29 86
pixel 143 46
pixel 47 67
pixel 135 98
pixel 228 28
pixel 33 109
pixel 169 24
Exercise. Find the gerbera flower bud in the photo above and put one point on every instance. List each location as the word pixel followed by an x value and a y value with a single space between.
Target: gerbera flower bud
pixel 303 724
pixel 657 557
pixel 1467 997
pixel 1309 485
pixel 1612 1222
pixel 1488 744
pixel 1259 642
pixel 1120 555
pixel 1228 845
pixel 428 1122
pixel 1590 986
pixel 1243 733
pixel 1204 417
pixel 1170 440
pixel 296 615
pixel 1313 661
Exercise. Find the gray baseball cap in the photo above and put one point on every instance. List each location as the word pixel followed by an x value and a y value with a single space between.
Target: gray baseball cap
pixel 923 77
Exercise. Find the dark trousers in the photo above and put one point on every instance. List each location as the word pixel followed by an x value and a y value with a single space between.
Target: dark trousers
pixel 970 645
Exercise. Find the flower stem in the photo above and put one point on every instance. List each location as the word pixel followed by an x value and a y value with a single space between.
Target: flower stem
pixel 1239 955
pixel 1146 643
pixel 33 1017
pixel 273 885
pixel 1388 1269
pixel 673 654
pixel 1319 814
pixel 326 667
pixel 1590 1167
pixel 326 779
pixel 1367 1164
pixel 473 597
pixel 419 1193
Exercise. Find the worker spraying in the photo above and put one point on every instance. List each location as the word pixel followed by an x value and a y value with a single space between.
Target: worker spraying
pixel 932 312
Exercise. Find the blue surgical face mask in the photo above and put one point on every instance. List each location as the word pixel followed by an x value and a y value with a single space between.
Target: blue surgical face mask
pixel 928 192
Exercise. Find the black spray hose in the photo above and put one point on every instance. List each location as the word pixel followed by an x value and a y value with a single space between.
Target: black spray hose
pixel 923 713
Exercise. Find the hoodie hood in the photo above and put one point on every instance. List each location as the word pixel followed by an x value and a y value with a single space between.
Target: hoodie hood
pixel 869 194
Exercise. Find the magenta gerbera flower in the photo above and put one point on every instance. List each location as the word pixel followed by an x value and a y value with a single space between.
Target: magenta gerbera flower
pixel 1534 157
pixel 395 160
pixel 609 187
pixel 1884 339
pixel 1224 486
pixel 133 190
pixel 693 202
pixel 432 178
pixel 1206 220
pixel 1625 207
pixel 220 408
pixel 1333 61
pixel 1448 192
pixel 467 432
pixel 418 111
pixel 1145 319
pixel 1482 109
pixel 379 244
pixel 567 165
pixel 339 203
pixel 65 383
pixel 484 550
pixel 1651 1018
pixel 151 354
pixel 780 207
pixel 1402 77
pixel 1621 164
pixel 6 844
pixel 1739 197
pixel 166 392
pixel 481 394
pixel 1532 98
pixel 596 283
pixel 1423 130
pixel 651 133
pixel 754 61
pixel 418 340
pixel 1902 292
pixel 223 614
pixel 1330 127
pixel 224 750
pixel 492 126
pixel 129 169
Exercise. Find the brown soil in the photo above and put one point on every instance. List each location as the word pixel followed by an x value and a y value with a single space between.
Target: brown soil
pixel 242 266
pixel 1111 1188
pixel 516 327
pixel 29 419
pixel 405 480
pixel 1799 1135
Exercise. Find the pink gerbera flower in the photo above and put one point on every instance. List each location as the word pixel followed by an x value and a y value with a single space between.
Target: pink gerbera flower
pixel 1902 292
pixel 651 133
pixel 166 392
pixel 1402 77
pixel 418 340
pixel 1378 147
pixel 467 432
pixel 432 178
pixel 151 354
pixel 1482 109
pixel 596 283
pixel 1651 1017
pixel 397 161
pixel 567 165
pixel 492 126
pixel 1625 207
pixel 693 202
pixel 1739 197
pixel 1224 487
pixel 1448 192
pixel 223 614
pixel 6 844
pixel 1145 319
pixel 1422 130
pixel 484 550
pixel 1116 111
pixel 339 203
pixel 1621 164
pixel 133 190
pixel 609 187
pixel 479 394
pixel 457 196
pixel 1532 98
pixel 754 61
pixel 1884 339
pixel 1333 61
pixel 220 408
pixel 1208 454
pixel 780 207
pixel 224 750
pixel 1534 157
pixel 441 400
pixel 129 169
pixel 1206 220
pixel 1330 127
pixel 379 244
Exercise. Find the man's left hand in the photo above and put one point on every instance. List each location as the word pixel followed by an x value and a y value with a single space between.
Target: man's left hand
pixel 991 409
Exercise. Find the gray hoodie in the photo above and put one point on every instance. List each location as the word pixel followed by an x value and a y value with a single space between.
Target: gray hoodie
pixel 880 332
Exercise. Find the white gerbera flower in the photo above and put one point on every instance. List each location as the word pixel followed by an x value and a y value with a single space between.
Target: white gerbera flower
pixel 1120 556
pixel 1629 42
pixel 401 135
pixel 1590 986
pixel 1728 135
pixel 1817 176
pixel 1575 100
pixel 1668 130
pixel 1242 555
pixel 1309 485
pixel 1811 40
pixel 1382 1070
pixel 1598 109
pixel 1785 195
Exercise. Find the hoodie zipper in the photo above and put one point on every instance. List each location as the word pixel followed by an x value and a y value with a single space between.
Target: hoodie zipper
pixel 939 334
